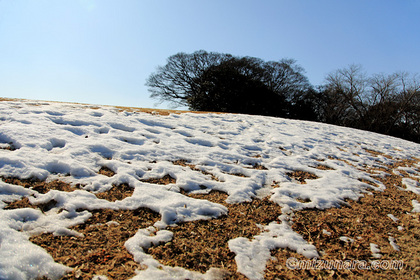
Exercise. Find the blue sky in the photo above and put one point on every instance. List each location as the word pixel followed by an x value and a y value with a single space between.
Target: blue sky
pixel 101 51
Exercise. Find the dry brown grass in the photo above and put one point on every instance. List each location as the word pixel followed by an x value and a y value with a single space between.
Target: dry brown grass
pixel 106 171
pixel 101 250
pixel 40 186
pixel 376 153
pixel 162 112
pixel 165 180
pixel 116 193
pixel 365 221
pixel 203 244
pixel 258 166
pixel 301 176
pixel 323 167
pixel 8 99
pixel 21 203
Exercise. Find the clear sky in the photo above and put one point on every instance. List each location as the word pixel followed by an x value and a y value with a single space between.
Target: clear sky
pixel 102 51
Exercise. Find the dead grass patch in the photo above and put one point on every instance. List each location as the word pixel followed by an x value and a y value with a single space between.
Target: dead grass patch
pixel 40 186
pixel 368 182
pixel 275 184
pixel 306 200
pixel 184 162
pixel 162 112
pixel 19 204
pixel 116 193
pixel 258 166
pixel 323 167
pixel 25 203
pixel 301 176
pixel 8 99
pixel 376 153
pixel 101 251
pixel 364 221
pixel 165 180
pixel 203 244
pixel 106 171
pixel 237 174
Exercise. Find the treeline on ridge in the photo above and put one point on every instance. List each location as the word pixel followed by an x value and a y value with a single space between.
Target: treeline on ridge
pixel 217 82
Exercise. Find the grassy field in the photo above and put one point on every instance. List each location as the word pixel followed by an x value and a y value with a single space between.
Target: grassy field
pixel 203 245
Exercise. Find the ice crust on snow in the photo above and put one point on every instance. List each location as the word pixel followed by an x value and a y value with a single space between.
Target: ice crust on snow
pixel 71 142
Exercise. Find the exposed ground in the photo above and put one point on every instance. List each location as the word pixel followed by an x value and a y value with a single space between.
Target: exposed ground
pixel 203 244
pixel 344 233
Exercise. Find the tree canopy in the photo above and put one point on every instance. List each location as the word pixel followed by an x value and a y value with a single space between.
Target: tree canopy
pixel 221 82
pixel 209 81
pixel 388 104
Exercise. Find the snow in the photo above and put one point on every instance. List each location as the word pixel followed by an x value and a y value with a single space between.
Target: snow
pixel 393 243
pixel 251 256
pixel 392 217
pixel 71 142
pixel 416 206
pixel 326 232
pixel 21 259
pixel 376 252
pixel 346 239
pixel 411 185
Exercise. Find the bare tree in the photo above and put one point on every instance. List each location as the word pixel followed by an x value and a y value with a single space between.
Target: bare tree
pixel 222 82
pixel 388 104
pixel 345 92
pixel 177 80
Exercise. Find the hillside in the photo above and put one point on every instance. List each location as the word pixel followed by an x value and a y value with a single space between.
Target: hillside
pixel 106 192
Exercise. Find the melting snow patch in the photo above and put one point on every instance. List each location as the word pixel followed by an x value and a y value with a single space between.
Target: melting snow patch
pixel 21 259
pixel 72 142
pixel 326 232
pixel 346 239
pixel 392 217
pixel 251 256
pixel 411 185
pixel 375 251
pixel 144 239
pixel 416 205
pixel 393 244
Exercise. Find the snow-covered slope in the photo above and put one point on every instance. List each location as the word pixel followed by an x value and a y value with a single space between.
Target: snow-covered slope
pixel 72 142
